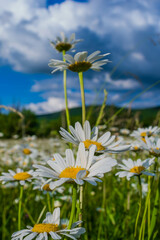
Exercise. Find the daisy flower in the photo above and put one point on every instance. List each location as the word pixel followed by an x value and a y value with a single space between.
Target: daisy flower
pixel 106 143
pixel 132 168
pixel 28 151
pixel 63 43
pixel 19 176
pixel 40 184
pixel 84 168
pixel 30 138
pixel 152 145
pixel 145 132
pixel 50 227
pixel 124 131
pixel 80 63
pixel 136 146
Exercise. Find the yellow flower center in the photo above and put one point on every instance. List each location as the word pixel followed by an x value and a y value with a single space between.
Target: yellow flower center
pixel 135 148
pixel 80 66
pixel 27 151
pixel 64 225
pixel 22 176
pixel 143 139
pixel 45 227
pixel 137 169
pixel 71 172
pixel 143 134
pixel 47 188
pixel 88 143
pixel 152 152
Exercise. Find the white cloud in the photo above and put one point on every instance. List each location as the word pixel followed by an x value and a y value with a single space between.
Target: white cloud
pixel 138 56
pixel 52 88
pixel 117 26
pixel 26 27
pixel 121 84
pixel 116 97
pixel 53 104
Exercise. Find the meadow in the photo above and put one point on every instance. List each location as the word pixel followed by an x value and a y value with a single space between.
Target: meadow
pixel 87 181
pixel 110 208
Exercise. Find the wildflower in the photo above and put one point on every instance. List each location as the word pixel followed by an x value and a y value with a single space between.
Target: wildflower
pixel 83 169
pixel 114 129
pixel 1 134
pixel 106 143
pixel 80 63
pixel 28 152
pixel 30 138
pixel 132 168
pixel 64 44
pixel 145 132
pixel 136 146
pixel 16 136
pixel 57 203
pixel 40 184
pixel 50 227
pixel 124 131
pixel 19 176
pixel 152 145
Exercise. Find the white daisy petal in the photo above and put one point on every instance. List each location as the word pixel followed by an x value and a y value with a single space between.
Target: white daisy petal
pixel 69 58
pixel 79 129
pixel 56 216
pixel 58 183
pixel 70 158
pixel 30 236
pixel 54 235
pixel 87 130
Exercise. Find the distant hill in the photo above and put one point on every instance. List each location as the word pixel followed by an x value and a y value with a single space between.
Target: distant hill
pixel 147 115
pixel 48 125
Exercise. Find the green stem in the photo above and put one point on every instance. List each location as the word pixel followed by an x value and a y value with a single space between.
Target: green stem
pixel 81 203
pixel 65 93
pixel 48 201
pixel 144 215
pixel 41 214
pixel 102 214
pixel 156 200
pixel 149 207
pixel 140 204
pixel 19 207
pixel 80 74
pixel 52 203
pixel 29 215
pixel 100 116
pixel 74 201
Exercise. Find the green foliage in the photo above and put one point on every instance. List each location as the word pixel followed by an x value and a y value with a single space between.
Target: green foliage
pixel 49 124
pixel 10 124
pixel 30 122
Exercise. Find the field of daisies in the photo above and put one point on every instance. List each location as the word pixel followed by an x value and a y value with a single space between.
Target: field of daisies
pixel 88 182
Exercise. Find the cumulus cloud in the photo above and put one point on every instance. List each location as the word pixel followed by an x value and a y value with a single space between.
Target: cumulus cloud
pixel 53 104
pixel 24 33
pixel 122 84
pixel 138 56
pixel 127 29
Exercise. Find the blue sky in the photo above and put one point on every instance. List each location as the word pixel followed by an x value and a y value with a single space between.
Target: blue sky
pixel 129 30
